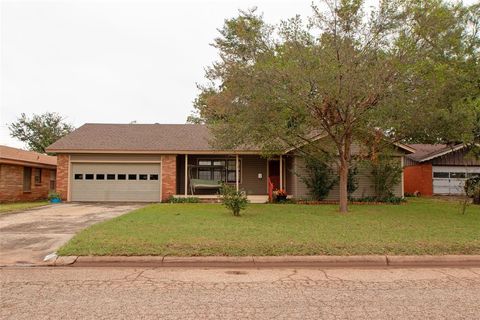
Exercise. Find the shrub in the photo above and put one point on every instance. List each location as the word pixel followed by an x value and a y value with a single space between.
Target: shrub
pixel 390 199
pixel 352 181
pixel 173 199
pixel 319 178
pixel 53 195
pixel 472 189
pixel 234 200
pixel 386 173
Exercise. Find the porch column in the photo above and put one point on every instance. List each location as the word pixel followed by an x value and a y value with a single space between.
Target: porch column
pixel 236 173
pixel 186 175
pixel 281 172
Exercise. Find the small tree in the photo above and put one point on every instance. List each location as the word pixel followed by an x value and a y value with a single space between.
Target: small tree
pixel 234 200
pixel 319 178
pixel 40 131
pixel 472 189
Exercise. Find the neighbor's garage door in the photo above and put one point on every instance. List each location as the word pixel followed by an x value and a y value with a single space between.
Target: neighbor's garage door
pixel 115 182
pixel 451 180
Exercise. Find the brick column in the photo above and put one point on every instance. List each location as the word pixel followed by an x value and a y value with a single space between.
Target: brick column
pixel 62 175
pixel 169 176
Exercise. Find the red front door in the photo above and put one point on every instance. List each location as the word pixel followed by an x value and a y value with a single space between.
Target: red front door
pixel 274 173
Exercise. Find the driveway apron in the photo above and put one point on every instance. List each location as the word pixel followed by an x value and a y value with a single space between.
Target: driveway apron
pixel 27 237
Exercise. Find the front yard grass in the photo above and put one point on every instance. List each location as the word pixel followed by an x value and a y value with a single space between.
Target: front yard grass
pixel 20 206
pixel 422 226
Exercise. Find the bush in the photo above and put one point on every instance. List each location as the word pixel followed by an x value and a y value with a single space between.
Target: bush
pixel 472 189
pixel 391 199
pixel 386 173
pixel 173 199
pixel 234 200
pixel 352 181
pixel 53 195
pixel 319 178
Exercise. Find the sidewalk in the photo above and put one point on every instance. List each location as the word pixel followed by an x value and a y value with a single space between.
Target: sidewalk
pixel 267 262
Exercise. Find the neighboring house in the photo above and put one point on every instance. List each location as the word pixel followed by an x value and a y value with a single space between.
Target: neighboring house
pixel 25 175
pixel 439 169
pixel 151 162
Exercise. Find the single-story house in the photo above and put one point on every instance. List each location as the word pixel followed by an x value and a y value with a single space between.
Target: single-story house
pixel 151 162
pixel 25 175
pixel 439 169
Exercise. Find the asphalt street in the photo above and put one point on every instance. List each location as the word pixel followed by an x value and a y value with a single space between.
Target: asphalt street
pixel 196 293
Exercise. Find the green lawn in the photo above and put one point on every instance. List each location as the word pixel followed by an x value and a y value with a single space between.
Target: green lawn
pixel 419 227
pixel 19 206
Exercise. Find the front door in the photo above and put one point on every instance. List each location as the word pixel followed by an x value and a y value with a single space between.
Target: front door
pixel 274 173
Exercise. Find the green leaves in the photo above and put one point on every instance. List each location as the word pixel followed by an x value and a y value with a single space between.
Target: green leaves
pixel 40 131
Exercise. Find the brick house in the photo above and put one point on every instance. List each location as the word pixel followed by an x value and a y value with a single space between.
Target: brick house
pixel 25 175
pixel 152 162
pixel 439 169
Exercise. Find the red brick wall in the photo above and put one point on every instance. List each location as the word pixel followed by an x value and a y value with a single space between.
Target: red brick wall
pixel 418 178
pixel 62 175
pixel 169 176
pixel 11 184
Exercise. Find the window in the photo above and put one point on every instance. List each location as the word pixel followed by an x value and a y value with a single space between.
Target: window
pixel 474 174
pixel 205 174
pixel 231 171
pixel 218 170
pixel 142 176
pixel 110 176
pixel 442 175
pixel 78 176
pixel 100 176
pixel 53 180
pixel 27 179
pixel 38 176
pixel 457 175
pixel 121 176
pixel 132 177
pixel 154 177
pixel 89 176
pixel 204 162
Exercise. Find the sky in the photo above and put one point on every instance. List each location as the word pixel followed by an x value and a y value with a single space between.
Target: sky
pixel 112 61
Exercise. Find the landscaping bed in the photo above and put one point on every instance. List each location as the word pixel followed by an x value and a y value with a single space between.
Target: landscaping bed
pixel 421 226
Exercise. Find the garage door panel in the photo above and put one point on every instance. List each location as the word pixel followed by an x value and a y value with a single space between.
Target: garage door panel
pixel 115 190
pixel 451 179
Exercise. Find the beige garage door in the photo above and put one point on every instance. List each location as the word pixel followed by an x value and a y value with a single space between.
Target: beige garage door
pixel 115 182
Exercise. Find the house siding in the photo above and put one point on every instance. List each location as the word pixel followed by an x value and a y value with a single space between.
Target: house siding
pixel 365 185
pixel 63 167
pixel 11 184
pixel 457 158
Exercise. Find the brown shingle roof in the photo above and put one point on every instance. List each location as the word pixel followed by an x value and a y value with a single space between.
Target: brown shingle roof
pixel 427 151
pixel 136 137
pixel 8 154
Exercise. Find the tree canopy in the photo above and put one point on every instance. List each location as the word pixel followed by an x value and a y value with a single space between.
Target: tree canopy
pixel 40 131
pixel 406 70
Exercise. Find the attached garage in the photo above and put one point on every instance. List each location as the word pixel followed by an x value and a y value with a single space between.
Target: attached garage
pixel 439 169
pixel 451 179
pixel 139 182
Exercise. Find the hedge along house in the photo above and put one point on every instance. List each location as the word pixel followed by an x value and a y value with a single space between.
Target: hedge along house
pixel 25 175
pixel 438 169
pixel 152 162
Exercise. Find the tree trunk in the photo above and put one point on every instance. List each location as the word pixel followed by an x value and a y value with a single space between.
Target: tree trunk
pixel 343 173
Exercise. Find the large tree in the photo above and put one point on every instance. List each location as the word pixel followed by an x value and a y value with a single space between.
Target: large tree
pixel 401 70
pixel 40 131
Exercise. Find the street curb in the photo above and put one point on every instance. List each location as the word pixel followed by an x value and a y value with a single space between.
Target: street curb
pixel 270 261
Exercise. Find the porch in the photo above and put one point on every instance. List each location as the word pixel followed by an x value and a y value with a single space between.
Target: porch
pixel 200 175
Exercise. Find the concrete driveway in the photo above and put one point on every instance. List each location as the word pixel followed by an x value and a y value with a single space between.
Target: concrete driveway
pixel 27 237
